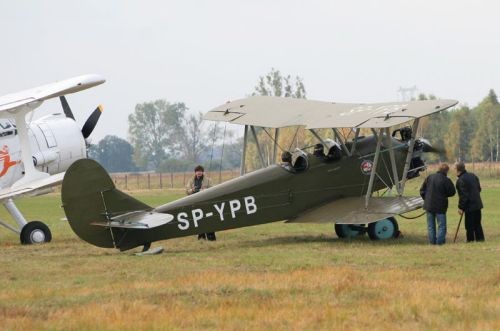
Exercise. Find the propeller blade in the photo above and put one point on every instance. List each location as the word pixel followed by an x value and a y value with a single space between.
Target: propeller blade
pixel 66 108
pixel 428 148
pixel 91 122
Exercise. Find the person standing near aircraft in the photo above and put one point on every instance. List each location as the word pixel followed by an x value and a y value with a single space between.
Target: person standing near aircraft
pixel 469 202
pixel 435 191
pixel 196 184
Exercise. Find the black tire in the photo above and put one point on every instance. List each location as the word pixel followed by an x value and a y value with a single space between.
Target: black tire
pixel 35 232
pixel 383 229
pixel 346 231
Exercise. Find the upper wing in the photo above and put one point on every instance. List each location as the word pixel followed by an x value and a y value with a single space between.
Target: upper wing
pixel 275 112
pixel 352 210
pixel 32 188
pixel 44 92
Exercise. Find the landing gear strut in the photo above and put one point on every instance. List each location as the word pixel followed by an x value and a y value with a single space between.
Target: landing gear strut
pixel 34 232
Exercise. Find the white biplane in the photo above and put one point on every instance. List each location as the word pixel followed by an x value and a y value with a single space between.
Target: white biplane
pixel 34 154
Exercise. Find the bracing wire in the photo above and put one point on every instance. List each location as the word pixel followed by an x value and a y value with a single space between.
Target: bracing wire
pixel 212 152
pixel 293 139
pixel 273 140
pixel 222 153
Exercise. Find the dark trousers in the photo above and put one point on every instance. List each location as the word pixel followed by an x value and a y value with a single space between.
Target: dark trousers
pixel 473 226
pixel 209 235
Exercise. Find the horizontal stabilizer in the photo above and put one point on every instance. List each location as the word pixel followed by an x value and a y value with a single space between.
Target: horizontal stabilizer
pixel 137 220
pixel 32 188
pixel 352 210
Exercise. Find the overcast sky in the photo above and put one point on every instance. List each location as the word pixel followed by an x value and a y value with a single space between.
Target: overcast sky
pixel 204 53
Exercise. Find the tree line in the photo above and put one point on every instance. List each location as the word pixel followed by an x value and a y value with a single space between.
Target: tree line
pixel 165 136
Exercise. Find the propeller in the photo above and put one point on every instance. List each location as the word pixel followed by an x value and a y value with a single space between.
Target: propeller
pixel 90 123
pixel 428 148
pixel 66 108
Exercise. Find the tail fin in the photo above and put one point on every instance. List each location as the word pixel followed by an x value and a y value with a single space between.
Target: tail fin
pixel 89 196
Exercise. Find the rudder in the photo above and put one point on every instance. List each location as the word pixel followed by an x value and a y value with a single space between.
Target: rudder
pixel 89 195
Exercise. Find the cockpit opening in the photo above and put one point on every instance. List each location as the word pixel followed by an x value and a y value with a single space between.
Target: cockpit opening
pixel 294 162
pixel 7 128
pixel 334 152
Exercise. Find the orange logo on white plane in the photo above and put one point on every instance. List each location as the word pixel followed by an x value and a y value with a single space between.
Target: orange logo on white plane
pixel 5 157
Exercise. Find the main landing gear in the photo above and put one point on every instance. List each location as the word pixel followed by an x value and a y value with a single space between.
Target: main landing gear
pixel 34 232
pixel 380 230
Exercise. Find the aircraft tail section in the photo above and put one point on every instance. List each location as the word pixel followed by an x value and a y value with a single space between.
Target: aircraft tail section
pixel 99 213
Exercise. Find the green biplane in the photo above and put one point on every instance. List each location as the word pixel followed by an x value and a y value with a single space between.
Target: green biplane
pixel 335 187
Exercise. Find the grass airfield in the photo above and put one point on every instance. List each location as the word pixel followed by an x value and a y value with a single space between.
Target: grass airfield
pixel 274 276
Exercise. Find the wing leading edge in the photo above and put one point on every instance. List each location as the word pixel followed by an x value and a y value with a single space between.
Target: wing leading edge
pixel 275 112
pixel 48 91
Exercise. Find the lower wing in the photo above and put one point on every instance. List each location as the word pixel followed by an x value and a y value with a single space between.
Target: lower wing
pixel 352 210
pixel 33 188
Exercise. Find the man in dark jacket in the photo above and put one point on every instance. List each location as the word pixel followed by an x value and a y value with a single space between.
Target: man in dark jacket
pixel 435 191
pixel 469 202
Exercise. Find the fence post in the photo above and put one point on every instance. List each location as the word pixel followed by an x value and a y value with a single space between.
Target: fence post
pixel 172 179
pixel 161 182
pixel 149 181
pixel 126 182
pixel 184 180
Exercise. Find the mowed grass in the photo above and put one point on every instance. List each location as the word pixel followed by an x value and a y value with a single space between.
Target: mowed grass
pixel 274 276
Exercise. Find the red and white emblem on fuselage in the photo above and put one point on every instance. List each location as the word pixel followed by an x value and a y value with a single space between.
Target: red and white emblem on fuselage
pixel 366 167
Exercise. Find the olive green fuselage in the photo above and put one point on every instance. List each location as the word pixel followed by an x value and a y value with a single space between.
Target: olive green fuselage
pixel 90 198
pixel 272 194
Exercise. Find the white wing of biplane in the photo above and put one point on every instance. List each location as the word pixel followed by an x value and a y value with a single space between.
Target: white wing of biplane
pixel 276 112
pixel 33 188
pixel 17 106
pixel 32 97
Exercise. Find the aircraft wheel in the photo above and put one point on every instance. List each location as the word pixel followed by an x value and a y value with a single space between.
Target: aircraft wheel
pixel 348 230
pixel 35 232
pixel 383 229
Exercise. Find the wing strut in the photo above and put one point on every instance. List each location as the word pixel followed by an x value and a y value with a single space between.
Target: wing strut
pixel 243 154
pixel 374 168
pixel 355 140
pixel 258 146
pixel 393 160
pixel 30 172
pixel 409 156
pixel 317 136
pixel 342 141
pixel 275 150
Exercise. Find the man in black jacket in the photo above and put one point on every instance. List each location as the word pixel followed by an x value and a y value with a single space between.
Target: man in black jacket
pixel 469 202
pixel 435 191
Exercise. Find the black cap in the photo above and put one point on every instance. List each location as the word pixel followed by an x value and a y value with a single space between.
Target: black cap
pixel 286 156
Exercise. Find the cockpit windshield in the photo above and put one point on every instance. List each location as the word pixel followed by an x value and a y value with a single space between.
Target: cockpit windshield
pixel 295 161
